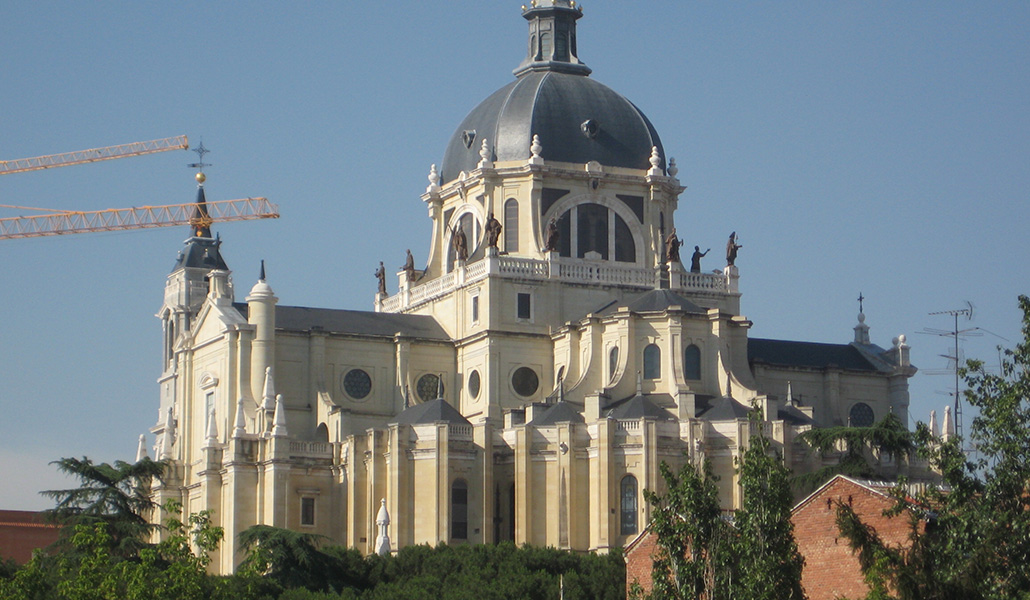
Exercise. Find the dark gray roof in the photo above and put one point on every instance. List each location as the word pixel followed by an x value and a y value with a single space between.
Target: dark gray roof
pixel 202 253
pixel 725 409
pixel 562 412
pixel 554 105
pixel 359 322
pixel 792 415
pixel 434 411
pixel 659 300
pixel 640 407
pixel 807 354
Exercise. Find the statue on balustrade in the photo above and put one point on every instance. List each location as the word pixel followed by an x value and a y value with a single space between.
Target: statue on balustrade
pixel 460 243
pixel 731 249
pixel 493 231
pixel 695 259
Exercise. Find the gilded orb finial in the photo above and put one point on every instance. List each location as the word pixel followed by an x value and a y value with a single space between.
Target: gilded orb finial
pixel 201 178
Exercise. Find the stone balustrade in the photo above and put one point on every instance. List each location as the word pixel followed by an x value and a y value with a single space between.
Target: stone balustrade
pixel 566 270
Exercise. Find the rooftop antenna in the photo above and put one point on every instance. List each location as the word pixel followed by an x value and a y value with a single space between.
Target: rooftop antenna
pixel 955 333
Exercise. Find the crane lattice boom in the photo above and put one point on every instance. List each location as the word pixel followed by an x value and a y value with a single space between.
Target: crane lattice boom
pixel 117 219
pixel 93 155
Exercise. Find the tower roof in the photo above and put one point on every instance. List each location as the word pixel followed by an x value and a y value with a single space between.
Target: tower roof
pixel 578 119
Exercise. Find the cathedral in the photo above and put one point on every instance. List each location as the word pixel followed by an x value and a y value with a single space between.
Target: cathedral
pixel 526 384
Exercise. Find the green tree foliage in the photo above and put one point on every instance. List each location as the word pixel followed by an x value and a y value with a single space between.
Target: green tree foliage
pixel 695 543
pixel 91 570
pixel 973 541
pixel 853 447
pixel 768 562
pixel 704 556
pixel 115 495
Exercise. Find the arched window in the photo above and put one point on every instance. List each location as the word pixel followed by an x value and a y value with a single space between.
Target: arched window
pixel 625 247
pixel 511 225
pixel 592 230
pixel 628 505
pixel 170 343
pixel 652 362
pixel 545 47
pixel 613 362
pixel 861 415
pixel 322 433
pixel 692 362
pixel 595 231
pixel 459 510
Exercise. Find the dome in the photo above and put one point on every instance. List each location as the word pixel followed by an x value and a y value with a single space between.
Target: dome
pixel 578 119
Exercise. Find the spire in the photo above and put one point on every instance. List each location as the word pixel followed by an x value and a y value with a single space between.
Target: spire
pixel 861 330
pixel 552 38
pixel 949 425
pixel 439 387
pixel 167 436
pixel 240 427
pixel 261 276
pixel 383 521
pixel 211 439
pixel 790 395
pixel 268 393
pixel 279 422
pixel 141 449
pixel 934 430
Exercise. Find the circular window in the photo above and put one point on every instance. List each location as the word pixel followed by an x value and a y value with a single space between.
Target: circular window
pixel 357 384
pixel 861 415
pixel 474 384
pixel 525 381
pixel 427 387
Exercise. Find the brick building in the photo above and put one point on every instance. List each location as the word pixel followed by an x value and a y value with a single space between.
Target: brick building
pixel 831 568
pixel 23 531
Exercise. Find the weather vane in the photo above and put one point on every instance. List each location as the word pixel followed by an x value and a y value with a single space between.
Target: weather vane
pixel 200 164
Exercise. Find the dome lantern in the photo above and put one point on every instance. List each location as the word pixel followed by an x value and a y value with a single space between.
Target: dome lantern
pixel 552 38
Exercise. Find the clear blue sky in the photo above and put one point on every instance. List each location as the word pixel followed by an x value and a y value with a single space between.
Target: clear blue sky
pixel 871 147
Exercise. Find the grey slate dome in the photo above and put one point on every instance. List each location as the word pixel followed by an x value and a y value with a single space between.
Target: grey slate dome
pixel 578 119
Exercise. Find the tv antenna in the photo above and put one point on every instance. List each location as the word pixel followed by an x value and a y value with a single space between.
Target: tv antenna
pixel 955 334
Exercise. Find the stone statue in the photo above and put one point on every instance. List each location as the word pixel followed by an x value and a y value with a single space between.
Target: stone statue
pixel 381 276
pixel 460 243
pixel 731 249
pixel 409 266
pixel 695 259
pixel 552 237
pixel 672 247
pixel 492 230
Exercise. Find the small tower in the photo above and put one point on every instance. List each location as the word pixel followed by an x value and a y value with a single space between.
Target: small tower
pixel 261 314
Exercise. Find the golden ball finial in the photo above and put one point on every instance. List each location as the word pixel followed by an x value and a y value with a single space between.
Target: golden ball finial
pixel 201 178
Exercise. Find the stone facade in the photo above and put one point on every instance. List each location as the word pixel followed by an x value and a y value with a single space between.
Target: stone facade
pixel 527 392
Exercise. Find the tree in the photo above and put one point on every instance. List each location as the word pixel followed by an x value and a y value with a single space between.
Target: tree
pixel 855 445
pixel 768 562
pixel 694 541
pixel 702 555
pixel 90 570
pixel 973 541
pixel 290 558
pixel 115 495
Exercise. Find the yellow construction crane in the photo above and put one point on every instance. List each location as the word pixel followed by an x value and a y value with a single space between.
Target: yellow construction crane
pixel 62 222
pixel 144 217
pixel 20 165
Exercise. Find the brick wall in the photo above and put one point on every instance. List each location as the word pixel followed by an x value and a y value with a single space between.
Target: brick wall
pixel 831 569
pixel 639 556
pixel 23 531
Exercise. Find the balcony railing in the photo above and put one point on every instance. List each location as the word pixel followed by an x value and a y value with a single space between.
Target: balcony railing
pixel 561 269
